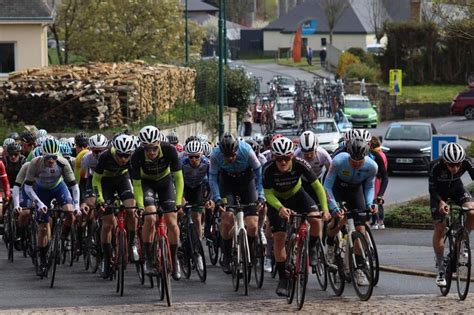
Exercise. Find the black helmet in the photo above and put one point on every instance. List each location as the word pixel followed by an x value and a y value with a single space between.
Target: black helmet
pixel 13 148
pixel 173 138
pixel 228 144
pixel 191 138
pixel 14 135
pixel 255 146
pixel 28 137
pixel 267 139
pixel 81 139
pixel 358 149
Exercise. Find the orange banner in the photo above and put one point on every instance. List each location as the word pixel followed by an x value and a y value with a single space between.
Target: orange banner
pixel 297 46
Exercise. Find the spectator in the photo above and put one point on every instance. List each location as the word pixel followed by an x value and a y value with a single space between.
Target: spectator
pixel 322 55
pixel 381 181
pixel 309 56
pixel 248 123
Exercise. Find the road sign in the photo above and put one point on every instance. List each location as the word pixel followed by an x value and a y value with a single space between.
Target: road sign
pixel 309 27
pixel 438 142
pixel 395 82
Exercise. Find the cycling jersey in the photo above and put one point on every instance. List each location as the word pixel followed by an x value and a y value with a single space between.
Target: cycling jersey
pixel 4 179
pixel 79 173
pixel 18 190
pixel 321 158
pixel 88 163
pixel 245 165
pixel 381 182
pixel 157 170
pixel 195 176
pixel 13 169
pixel 267 154
pixel 278 185
pixel 441 181
pixel 262 159
pixel 342 170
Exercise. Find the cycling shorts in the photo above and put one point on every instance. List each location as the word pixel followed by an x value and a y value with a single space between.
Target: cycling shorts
pixel 195 196
pixel 163 190
pixel 46 195
pixel 242 186
pixel 353 196
pixel 118 184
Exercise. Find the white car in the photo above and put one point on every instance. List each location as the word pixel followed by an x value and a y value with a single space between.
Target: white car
pixel 328 133
pixel 284 114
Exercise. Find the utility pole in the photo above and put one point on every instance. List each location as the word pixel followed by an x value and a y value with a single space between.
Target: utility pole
pixel 225 31
pixel 221 90
pixel 186 34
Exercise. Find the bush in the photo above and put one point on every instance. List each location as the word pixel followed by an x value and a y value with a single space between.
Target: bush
pixel 360 71
pixel 346 59
pixel 364 57
pixel 470 150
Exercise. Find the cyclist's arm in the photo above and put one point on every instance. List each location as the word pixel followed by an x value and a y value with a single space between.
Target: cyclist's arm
pixel 135 175
pixel 179 186
pixel 271 199
pixel 369 187
pixel 138 192
pixel 470 168
pixel 16 196
pixel 257 168
pixel 97 186
pixel 30 180
pixel 213 180
pixel 381 174
pixel 4 179
pixel 329 184
pixel 432 182
pixel 319 190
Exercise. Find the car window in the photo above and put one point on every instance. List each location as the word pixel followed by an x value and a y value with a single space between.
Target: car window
pixel 284 106
pixel 357 104
pixel 325 127
pixel 408 133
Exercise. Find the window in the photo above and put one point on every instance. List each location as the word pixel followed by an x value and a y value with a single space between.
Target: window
pixel 7 57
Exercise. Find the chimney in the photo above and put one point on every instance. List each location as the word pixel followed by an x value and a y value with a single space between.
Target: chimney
pixel 415 10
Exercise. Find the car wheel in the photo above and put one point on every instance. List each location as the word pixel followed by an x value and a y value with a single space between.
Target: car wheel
pixel 469 112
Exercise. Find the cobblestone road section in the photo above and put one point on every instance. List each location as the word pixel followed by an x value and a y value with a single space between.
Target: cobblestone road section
pixel 419 304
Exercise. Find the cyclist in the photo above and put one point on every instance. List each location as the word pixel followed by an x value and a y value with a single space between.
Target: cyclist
pixel 173 138
pixel 381 181
pixel 236 171
pixel 21 200
pixel 51 176
pixel 350 179
pixel 207 149
pixel 155 165
pixel 28 142
pixel 267 143
pixel 445 182
pixel 349 135
pixel 111 176
pixel 316 156
pixel 284 193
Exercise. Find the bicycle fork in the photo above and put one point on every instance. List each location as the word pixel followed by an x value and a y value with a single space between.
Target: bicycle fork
pixel 238 226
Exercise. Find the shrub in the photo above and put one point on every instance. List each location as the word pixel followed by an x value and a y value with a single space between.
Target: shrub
pixel 470 150
pixel 364 57
pixel 345 59
pixel 360 71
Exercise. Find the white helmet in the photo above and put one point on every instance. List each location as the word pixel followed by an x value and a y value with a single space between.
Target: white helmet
pixel 41 133
pixel 71 141
pixel 163 138
pixel 453 153
pixel 366 135
pixel 8 141
pixel 39 141
pixel 206 149
pixel 149 135
pixel 282 146
pixel 202 137
pixel 123 144
pixel 98 141
pixel 136 142
pixel 308 141
pixel 193 147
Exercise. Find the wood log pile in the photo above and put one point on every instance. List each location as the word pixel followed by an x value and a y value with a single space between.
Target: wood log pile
pixel 95 95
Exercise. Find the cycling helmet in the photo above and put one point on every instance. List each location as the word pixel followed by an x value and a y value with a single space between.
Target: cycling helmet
pixel 277 136
pixel 358 149
pixel 267 139
pixel 365 134
pixel 136 142
pixel 149 135
pixel 193 147
pixel 254 145
pixel 190 138
pixel 28 137
pixel 258 138
pixel 98 141
pixel 202 137
pixel 8 141
pixel 453 153
pixel 173 138
pixel 64 149
pixel 123 144
pixel 282 146
pixel 71 142
pixel 206 149
pixel 39 141
pixel 308 141
pixel 41 133
pixel 15 136
pixel 50 146
pixel 81 139
pixel 13 148
pixel 228 144
pixel 37 152
pixel 163 138
pixel 179 147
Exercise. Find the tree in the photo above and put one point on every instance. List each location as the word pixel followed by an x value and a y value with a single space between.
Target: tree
pixel 377 11
pixel 456 16
pixel 333 10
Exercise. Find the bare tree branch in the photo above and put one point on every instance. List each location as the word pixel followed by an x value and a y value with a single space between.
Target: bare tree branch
pixel 333 10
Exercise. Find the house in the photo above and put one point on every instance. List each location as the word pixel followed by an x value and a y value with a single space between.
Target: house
pixel 23 35
pixel 353 29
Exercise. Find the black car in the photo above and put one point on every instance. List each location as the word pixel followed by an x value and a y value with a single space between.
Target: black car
pixel 407 146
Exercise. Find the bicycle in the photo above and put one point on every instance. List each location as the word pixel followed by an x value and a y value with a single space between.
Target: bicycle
pixel 240 263
pixel 214 241
pixel 373 251
pixel 191 247
pixel 9 224
pixel 457 258
pixel 347 265
pixel 258 257
pixel 297 259
pixel 163 262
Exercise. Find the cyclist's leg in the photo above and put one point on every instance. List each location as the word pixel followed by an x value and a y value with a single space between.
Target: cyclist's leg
pixel 227 221
pixel 278 226
pixel 463 198
pixel 125 192
pixel 24 215
pixel 249 196
pixel 195 196
pixel 44 230
pixel 439 226
pixel 108 221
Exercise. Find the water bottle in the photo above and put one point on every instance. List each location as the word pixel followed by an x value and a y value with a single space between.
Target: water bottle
pixel 136 256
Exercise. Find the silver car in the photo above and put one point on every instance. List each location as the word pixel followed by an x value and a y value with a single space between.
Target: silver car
pixel 328 133
pixel 284 114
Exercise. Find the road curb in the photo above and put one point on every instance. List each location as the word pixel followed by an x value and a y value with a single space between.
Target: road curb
pixel 411 272
pixel 466 138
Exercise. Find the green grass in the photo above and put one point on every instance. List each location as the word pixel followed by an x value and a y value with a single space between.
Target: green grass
pixel 73 58
pixel 430 93
pixel 301 65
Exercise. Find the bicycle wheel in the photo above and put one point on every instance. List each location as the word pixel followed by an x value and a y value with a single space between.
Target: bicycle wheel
pixel 54 254
pixel 121 261
pixel 448 261
pixel 361 266
pixel 86 255
pixel 72 246
pixel 235 267
pixel 32 244
pixel 259 259
pixel 374 253
pixel 463 264
pixel 290 267
pixel 198 253
pixel 213 250
pixel 336 274
pixel 302 273
pixel 165 270
pixel 244 257
pixel 95 249
pixel 184 261
pixel 320 268
pixel 10 232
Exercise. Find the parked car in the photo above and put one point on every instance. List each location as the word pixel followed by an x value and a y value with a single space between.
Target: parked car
pixel 285 116
pixel 290 133
pixel 328 133
pixel 342 122
pixel 360 111
pixel 407 146
pixel 286 85
pixel 463 104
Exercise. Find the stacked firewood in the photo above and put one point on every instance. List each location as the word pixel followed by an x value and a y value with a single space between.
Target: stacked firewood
pixel 94 96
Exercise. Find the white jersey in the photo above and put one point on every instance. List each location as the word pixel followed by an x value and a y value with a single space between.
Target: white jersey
pixel 262 159
pixel 89 162
pixel 267 154
pixel 321 158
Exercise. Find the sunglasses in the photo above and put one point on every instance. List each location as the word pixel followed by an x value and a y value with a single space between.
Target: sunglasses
pixel 152 149
pixel 50 157
pixel 282 158
pixel 123 155
pixel 194 157
pixel 15 154
pixel 454 164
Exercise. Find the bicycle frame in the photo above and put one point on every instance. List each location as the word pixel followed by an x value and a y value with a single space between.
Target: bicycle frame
pixel 121 227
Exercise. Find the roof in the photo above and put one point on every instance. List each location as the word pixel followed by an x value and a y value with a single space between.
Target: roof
pixel 233 29
pixel 199 6
pixel 25 10
pixel 411 123
pixel 354 20
pixel 356 97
